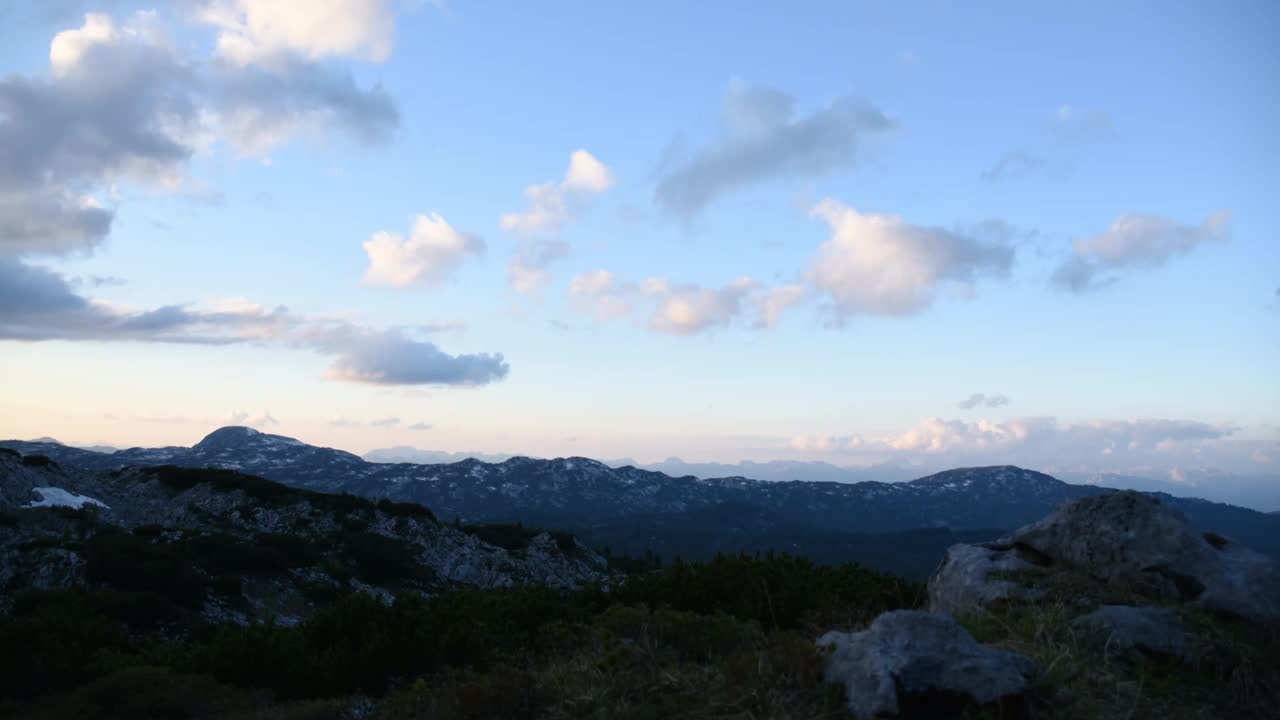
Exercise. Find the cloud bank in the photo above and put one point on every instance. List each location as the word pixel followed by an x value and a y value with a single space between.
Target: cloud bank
pixel 38 304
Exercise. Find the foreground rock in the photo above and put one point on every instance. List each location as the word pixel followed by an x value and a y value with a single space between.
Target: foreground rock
pixel 969 577
pixel 1125 539
pixel 1155 630
pixel 911 664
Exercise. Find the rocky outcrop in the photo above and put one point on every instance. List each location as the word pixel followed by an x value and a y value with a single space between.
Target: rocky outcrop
pixel 1154 630
pixel 969 577
pixel 1131 539
pixel 911 664
pixel 1124 539
pixel 240 546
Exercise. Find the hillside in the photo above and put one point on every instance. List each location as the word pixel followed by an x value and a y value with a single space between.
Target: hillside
pixel 225 545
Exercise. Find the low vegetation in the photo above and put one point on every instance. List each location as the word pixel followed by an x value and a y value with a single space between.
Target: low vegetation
pixel 730 637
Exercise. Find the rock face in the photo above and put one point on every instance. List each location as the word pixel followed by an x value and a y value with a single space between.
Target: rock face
pixel 1123 538
pixel 911 664
pixel 964 579
pixel 1130 538
pixel 1156 630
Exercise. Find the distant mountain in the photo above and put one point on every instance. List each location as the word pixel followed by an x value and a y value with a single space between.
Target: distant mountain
pixel 1258 492
pixel 778 470
pixel 605 504
pixel 406 454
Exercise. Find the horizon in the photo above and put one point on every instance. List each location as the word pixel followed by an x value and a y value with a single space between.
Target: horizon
pixel 918 236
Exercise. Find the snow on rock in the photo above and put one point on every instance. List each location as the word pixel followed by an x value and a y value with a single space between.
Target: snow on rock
pixel 57 497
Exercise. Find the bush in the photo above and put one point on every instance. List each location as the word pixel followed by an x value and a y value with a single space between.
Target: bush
pixel 402 509
pixel 133 563
pixel 380 560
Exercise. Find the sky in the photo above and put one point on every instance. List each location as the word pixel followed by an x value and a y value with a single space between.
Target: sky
pixel 933 233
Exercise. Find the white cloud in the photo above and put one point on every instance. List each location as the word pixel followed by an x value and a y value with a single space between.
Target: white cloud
pixel 255 31
pixel 681 308
pixel 553 204
pixel 69 46
pixel 124 104
pixel 1039 442
pixel 1135 242
pixel 433 250
pixel 880 264
pixel 690 309
pixel 599 294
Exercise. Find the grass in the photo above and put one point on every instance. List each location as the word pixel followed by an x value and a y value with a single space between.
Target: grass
pixel 1233 672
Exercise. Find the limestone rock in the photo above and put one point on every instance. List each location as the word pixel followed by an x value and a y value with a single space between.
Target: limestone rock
pixel 1130 538
pixel 1156 630
pixel 964 580
pixel 923 665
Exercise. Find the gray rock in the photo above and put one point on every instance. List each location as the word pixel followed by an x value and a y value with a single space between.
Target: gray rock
pixel 910 663
pixel 1130 538
pixel 963 581
pixel 1156 630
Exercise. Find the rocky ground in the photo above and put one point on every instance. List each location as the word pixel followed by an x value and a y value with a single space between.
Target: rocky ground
pixel 236 547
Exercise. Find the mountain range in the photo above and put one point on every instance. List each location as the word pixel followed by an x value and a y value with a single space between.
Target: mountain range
pixel 632 510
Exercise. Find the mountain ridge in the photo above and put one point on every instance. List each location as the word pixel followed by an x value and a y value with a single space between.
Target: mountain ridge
pixel 593 499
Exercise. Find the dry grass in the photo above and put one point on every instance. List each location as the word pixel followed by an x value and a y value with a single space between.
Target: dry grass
pixel 1233 672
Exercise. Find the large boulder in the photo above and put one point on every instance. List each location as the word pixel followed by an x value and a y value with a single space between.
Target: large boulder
pixel 1131 539
pixel 911 664
pixel 1155 630
pixel 969 577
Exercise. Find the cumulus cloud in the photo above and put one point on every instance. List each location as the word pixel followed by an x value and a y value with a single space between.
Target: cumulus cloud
pixel 981 400
pixel 690 309
pixel 433 250
pixel 880 264
pixel 255 31
pixel 38 304
pixel 420 426
pixel 763 138
pixel 552 204
pixel 123 103
pixel 385 422
pixel 1135 242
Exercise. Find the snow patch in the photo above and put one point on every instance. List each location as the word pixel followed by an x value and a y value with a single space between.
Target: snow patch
pixel 57 497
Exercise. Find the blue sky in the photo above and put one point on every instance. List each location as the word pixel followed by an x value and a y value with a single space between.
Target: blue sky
pixel 1068 208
